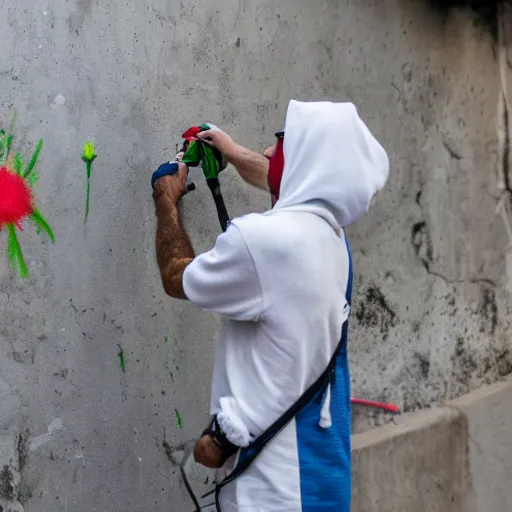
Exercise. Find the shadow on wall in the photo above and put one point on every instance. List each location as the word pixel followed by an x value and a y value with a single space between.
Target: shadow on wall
pixel 486 9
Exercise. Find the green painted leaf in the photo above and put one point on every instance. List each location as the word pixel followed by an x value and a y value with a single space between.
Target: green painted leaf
pixel 18 164
pixel 8 145
pixel 33 161
pixel 33 179
pixel 14 252
pixel 13 122
pixel 41 223
pixel 3 149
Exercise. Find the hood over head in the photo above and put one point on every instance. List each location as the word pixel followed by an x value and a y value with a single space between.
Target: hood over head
pixel 333 164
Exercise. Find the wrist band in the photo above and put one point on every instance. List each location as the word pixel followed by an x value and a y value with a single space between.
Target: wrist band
pixel 167 169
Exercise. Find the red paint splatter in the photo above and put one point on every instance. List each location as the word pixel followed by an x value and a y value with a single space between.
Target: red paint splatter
pixel 16 201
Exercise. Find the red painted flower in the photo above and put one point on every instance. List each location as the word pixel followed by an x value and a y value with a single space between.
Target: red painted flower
pixel 191 133
pixel 16 201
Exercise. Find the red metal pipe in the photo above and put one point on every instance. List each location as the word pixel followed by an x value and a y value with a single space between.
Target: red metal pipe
pixel 379 405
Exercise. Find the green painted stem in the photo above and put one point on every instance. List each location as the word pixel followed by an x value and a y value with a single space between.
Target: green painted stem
pixel 89 167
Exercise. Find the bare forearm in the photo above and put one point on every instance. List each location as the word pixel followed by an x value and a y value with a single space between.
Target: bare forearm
pixel 173 249
pixel 252 167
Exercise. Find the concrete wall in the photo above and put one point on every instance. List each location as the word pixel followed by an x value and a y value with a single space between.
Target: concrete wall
pixel 433 279
pixel 452 458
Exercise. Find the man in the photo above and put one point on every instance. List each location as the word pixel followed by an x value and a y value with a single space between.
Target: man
pixel 279 280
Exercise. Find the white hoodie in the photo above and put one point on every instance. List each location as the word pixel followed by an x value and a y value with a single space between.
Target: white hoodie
pixel 279 280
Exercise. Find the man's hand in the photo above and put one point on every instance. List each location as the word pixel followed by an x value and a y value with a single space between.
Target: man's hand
pixel 175 186
pixel 252 167
pixel 220 140
pixel 207 453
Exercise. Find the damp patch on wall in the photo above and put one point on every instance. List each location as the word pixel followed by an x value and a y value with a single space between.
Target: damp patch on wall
pixel 375 311
pixel 487 11
pixel 6 483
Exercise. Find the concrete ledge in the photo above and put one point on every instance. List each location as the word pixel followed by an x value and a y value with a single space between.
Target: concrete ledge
pixel 456 458
pixel 489 419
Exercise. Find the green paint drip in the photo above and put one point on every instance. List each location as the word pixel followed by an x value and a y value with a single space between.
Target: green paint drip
pixel 178 419
pixel 121 358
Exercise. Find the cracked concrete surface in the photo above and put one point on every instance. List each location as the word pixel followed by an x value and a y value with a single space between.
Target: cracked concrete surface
pixel 449 287
pixel 433 260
